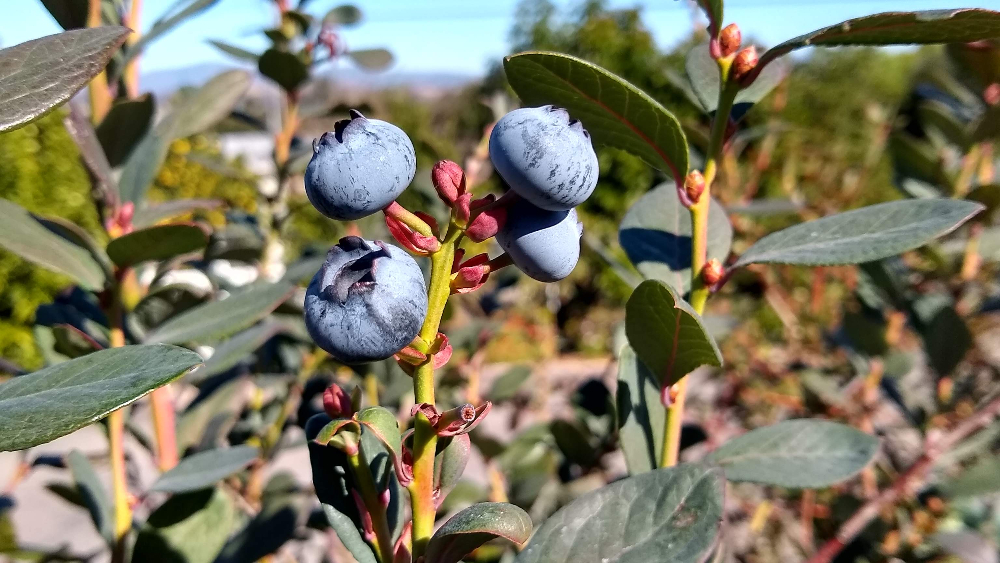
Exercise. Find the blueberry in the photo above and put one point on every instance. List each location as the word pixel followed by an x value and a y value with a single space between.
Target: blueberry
pixel 543 244
pixel 359 168
pixel 545 157
pixel 367 302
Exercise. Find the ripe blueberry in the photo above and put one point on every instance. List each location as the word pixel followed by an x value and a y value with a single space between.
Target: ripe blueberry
pixel 367 302
pixel 359 168
pixel 543 244
pixel 545 157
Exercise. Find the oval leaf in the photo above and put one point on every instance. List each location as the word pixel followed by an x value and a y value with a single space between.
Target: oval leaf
pixel 476 525
pixel 371 59
pixel 219 319
pixel 615 112
pixel 669 514
pixel 212 103
pixel 656 235
pixel 234 349
pixel 980 479
pixel 151 214
pixel 188 528
pixel 92 494
pixel 666 333
pixel 39 75
pixel 343 15
pixel 797 453
pixel 25 236
pixel 641 414
pixel 125 125
pixel 383 423
pixel 897 28
pixel 863 235
pixel 42 406
pixel 156 243
pixel 238 53
pixel 284 68
pixel 203 469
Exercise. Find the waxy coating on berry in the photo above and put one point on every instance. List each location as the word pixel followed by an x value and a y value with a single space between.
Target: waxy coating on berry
pixel 543 244
pixel 359 168
pixel 367 302
pixel 545 157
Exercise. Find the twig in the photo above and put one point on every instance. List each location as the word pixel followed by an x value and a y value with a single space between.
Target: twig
pixel 906 482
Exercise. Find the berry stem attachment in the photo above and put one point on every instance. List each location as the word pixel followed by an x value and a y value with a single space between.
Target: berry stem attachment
pixel 699 252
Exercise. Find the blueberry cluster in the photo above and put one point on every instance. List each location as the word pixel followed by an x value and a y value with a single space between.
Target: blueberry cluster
pixel 369 300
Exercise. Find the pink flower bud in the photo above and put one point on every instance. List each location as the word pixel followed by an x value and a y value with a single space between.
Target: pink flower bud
pixel 730 40
pixel 337 403
pixel 449 180
pixel 487 224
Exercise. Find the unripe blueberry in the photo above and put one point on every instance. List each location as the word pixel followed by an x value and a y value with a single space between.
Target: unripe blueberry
pixel 546 157
pixel 359 168
pixel 543 244
pixel 367 302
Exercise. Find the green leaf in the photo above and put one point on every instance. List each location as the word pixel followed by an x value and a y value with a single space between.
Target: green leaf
pixel 284 68
pixel 171 19
pixel 161 242
pixel 42 406
pixel 39 75
pixel 218 319
pixel 188 528
pixel 204 469
pixel 669 514
pixel 25 236
pixel 91 153
pixel 383 423
pixel 124 127
pixel 212 103
pixel 476 525
pixel 450 461
pixel 349 535
pixel 151 214
pixel 235 52
pixel 69 14
pixel 235 349
pixel 615 112
pixel 980 479
pixel 656 235
pixel 641 414
pixel 666 333
pixel 144 162
pixel 271 528
pixel 507 385
pixel 713 9
pixel 807 453
pixel 371 59
pixel 862 235
pixel 92 494
pixel 937 115
pixel 703 73
pixel 345 15
pixel 897 28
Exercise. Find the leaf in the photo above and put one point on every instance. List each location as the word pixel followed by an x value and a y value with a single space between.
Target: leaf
pixel 862 235
pixel 39 75
pixel 204 469
pixel 703 74
pixel 284 68
pixel 234 51
pixel 188 528
pixel 171 19
pixel 25 236
pixel 896 28
pixel 371 59
pixel 507 385
pixel 92 494
pixel 806 453
pixel 91 153
pixel 42 406
pixel 937 115
pixel 980 479
pixel 383 423
pixel 476 525
pixel 666 333
pixel 212 103
pixel 615 112
pixel 152 214
pixel 345 15
pixel 271 528
pixel 641 414
pixel 124 127
pixel 235 349
pixel 218 319
pixel 669 514
pixel 656 236
pixel 451 458
pixel 161 242
pixel 713 9
pixel 142 165
pixel 69 14
pixel 349 535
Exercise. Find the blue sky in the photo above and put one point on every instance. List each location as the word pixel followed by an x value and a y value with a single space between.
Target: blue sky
pixel 459 36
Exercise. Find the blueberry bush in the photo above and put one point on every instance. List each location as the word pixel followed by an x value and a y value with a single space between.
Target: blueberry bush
pixel 156 298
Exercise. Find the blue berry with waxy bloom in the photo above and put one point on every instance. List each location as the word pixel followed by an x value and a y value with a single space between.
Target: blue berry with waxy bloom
pixel 367 302
pixel 543 244
pixel 546 157
pixel 359 168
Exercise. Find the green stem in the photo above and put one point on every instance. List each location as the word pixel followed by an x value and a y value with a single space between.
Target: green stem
pixel 370 496
pixel 424 436
pixel 699 256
